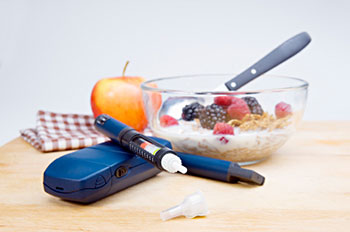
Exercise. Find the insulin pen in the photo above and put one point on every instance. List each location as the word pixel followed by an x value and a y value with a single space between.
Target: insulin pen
pixel 219 169
pixel 160 156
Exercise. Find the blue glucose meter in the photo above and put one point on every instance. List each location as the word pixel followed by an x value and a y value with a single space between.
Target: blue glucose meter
pixel 92 173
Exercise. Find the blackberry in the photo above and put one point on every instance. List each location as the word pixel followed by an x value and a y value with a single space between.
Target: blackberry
pixel 191 111
pixel 253 104
pixel 212 114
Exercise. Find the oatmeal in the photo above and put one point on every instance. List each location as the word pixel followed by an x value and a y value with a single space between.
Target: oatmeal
pixel 243 146
pixel 231 128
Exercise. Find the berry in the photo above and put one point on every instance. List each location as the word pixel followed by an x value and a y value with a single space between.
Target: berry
pixel 222 128
pixel 223 101
pixel 238 108
pixel 190 112
pixel 167 120
pixel 212 114
pixel 223 140
pixel 254 106
pixel 283 109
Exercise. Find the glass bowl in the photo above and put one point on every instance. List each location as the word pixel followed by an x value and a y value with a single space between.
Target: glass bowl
pixel 205 128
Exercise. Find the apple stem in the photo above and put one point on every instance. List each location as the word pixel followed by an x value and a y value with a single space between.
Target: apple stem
pixel 126 65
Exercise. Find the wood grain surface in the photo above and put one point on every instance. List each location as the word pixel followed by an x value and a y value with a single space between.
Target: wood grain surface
pixel 307 188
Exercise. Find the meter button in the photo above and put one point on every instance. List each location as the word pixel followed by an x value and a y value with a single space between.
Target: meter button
pixel 121 171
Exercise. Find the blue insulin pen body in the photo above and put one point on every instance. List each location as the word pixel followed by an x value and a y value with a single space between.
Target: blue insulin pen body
pixel 196 165
pixel 219 169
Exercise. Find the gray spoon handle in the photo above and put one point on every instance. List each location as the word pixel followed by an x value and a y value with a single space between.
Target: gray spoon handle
pixel 271 60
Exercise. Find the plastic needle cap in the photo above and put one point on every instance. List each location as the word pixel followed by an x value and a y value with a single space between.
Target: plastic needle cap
pixel 172 163
pixel 193 205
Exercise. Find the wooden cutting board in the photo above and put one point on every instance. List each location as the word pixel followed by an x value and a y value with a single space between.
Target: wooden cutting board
pixel 307 188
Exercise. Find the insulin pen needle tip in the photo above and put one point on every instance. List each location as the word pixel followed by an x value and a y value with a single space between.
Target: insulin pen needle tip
pixel 177 167
pixel 182 169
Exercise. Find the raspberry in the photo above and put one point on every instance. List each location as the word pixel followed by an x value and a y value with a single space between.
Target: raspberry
pixel 223 101
pixel 254 106
pixel 223 140
pixel 222 128
pixel 212 114
pixel 238 108
pixel 167 120
pixel 283 109
pixel 190 112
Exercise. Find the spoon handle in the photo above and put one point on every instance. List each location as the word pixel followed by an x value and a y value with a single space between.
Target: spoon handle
pixel 283 52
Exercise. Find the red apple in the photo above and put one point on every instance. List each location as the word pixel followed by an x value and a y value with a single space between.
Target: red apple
pixel 121 98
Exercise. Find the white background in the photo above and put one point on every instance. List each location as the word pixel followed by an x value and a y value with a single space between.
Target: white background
pixel 53 52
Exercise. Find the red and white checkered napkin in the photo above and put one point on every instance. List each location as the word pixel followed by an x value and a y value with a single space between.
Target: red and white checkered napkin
pixel 56 132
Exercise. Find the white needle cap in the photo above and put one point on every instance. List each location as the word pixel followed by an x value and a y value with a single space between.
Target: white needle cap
pixel 193 205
